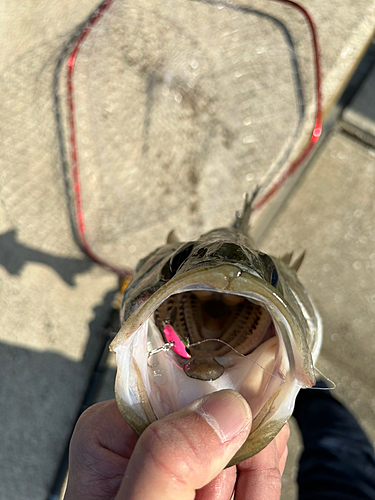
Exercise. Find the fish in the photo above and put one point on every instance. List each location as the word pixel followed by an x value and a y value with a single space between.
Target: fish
pixel 211 314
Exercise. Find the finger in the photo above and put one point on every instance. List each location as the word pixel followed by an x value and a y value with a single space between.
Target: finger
pixel 259 477
pixel 220 488
pixel 282 439
pixel 183 452
pixel 282 448
pixel 282 461
pixel 100 448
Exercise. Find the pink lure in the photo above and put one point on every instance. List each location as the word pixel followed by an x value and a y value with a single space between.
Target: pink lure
pixel 179 347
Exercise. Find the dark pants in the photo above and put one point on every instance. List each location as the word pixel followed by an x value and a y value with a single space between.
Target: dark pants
pixel 338 461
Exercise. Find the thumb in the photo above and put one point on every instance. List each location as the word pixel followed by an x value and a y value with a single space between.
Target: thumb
pixel 185 450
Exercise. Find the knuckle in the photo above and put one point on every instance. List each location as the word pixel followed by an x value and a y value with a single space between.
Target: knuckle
pixel 90 422
pixel 86 437
pixel 267 480
pixel 86 419
pixel 272 477
pixel 84 433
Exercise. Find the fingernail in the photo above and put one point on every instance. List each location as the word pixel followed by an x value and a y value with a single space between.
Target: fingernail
pixel 226 412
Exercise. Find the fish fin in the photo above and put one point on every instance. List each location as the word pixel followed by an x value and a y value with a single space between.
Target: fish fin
pixel 297 263
pixel 286 258
pixel 172 237
pixel 243 218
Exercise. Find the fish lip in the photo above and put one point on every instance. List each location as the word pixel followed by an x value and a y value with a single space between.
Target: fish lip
pixel 230 278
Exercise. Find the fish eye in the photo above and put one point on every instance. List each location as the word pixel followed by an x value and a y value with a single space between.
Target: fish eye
pixel 272 275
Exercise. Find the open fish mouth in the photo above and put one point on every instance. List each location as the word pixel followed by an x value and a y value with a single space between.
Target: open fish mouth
pixel 212 317
pixel 211 329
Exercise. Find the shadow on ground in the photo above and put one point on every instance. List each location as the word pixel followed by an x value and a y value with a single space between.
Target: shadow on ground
pixel 41 394
pixel 15 255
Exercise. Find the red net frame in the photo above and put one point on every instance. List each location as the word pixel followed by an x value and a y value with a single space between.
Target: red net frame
pixel 77 191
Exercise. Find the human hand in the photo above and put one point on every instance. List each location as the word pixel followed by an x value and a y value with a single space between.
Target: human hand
pixel 181 456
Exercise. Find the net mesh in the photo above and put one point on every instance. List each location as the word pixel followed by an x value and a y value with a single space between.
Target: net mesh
pixel 180 107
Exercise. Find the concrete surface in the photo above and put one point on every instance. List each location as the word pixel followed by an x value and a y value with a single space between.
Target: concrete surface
pixel 335 21
pixel 332 216
pixel 53 301
pixel 360 112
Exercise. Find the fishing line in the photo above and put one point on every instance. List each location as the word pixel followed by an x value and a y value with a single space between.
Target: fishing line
pixel 250 359
pixel 333 385
pixel 168 346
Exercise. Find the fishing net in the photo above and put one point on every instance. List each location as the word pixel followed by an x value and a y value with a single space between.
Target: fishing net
pixel 167 112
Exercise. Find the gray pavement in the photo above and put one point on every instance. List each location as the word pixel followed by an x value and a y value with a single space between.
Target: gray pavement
pixel 53 301
pixel 332 216
pixel 359 117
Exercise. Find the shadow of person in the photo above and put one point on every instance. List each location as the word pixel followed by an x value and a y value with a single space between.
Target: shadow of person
pixel 42 394
pixel 14 255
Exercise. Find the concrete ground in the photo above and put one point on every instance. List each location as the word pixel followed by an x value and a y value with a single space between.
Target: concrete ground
pixel 54 301
pixel 332 216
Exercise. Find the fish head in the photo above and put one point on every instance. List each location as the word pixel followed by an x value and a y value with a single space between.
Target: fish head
pixel 214 314
pixel 215 248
